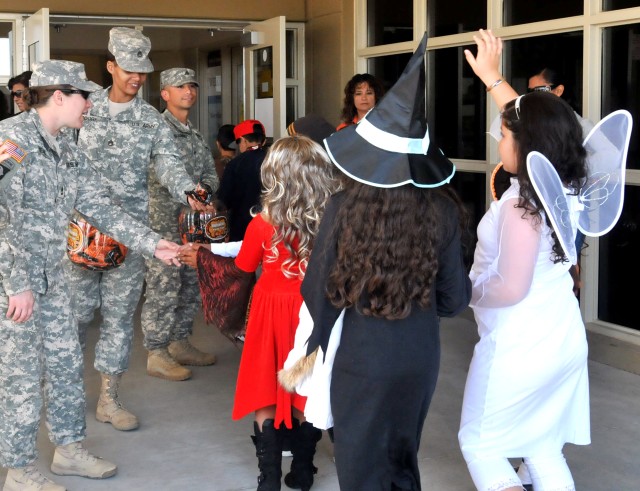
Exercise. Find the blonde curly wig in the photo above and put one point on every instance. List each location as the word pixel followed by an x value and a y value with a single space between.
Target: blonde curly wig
pixel 297 180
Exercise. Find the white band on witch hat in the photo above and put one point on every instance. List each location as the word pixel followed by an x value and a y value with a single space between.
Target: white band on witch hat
pixel 390 142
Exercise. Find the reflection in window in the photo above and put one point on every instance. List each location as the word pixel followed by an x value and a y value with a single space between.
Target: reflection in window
pixel 620 4
pixel 263 69
pixel 388 68
pixel 617 303
pixel 470 186
pixel 389 22
pixel 560 52
pixel 446 17
pixel 621 79
pixel 291 105
pixel 290 50
pixel 457 105
pixel 522 12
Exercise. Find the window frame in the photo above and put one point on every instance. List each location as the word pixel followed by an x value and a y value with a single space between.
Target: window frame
pixel 592 23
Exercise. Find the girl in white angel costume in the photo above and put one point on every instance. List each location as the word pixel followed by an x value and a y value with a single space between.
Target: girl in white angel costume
pixel 527 390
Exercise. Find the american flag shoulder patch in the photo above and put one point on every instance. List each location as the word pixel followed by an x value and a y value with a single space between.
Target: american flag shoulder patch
pixel 17 153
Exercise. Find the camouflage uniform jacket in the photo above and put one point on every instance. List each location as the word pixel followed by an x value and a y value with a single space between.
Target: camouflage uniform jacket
pixel 123 148
pixel 197 159
pixel 38 200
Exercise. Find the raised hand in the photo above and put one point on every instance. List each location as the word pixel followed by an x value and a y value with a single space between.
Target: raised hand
pixel 486 65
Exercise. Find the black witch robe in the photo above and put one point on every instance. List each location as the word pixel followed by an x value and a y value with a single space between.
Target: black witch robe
pixel 385 372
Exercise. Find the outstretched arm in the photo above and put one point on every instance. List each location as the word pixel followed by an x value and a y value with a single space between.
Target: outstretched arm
pixel 486 66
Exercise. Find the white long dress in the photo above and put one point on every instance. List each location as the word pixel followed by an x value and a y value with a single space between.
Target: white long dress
pixel 527 389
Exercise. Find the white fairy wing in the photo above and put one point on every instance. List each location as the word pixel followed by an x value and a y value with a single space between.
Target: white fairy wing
pixel 549 188
pixel 603 195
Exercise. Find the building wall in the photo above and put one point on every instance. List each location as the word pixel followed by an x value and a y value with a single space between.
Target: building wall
pixel 294 10
pixel 330 55
pixel 329 32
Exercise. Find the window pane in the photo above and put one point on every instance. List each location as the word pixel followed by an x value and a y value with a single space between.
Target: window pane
pixel 291 51
pixel 389 22
pixel 263 69
pixel 5 57
pixel 560 53
pixel 619 262
pixel 388 68
pixel 621 79
pixel 620 4
pixel 470 186
pixel 521 12
pixel 291 105
pixel 446 17
pixel 457 105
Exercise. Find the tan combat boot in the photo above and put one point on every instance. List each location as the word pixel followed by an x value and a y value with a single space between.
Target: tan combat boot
pixel 29 478
pixel 75 460
pixel 185 353
pixel 160 364
pixel 109 409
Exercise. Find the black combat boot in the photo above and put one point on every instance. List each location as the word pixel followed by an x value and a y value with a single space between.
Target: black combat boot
pixel 268 444
pixel 304 438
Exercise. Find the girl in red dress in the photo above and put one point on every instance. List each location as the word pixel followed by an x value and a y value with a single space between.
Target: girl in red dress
pixel 297 180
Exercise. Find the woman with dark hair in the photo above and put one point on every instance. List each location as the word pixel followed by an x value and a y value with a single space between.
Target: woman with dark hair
pixel 18 85
pixel 527 390
pixel 361 94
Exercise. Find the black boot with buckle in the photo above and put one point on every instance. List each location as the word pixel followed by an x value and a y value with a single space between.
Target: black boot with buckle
pixel 268 444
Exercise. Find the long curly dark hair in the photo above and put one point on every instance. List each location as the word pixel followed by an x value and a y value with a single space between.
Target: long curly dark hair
pixel 349 110
pixel 387 248
pixel 547 124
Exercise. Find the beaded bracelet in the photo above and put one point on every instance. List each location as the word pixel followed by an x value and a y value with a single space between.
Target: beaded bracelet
pixel 495 84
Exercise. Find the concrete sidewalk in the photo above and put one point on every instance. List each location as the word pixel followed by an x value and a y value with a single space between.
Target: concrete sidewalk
pixel 187 440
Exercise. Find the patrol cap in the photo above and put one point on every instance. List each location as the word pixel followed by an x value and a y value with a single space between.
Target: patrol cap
pixel 247 127
pixel 61 72
pixel 131 49
pixel 175 77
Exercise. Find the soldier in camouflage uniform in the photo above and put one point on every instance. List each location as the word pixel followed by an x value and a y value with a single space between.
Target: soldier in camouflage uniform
pixel 43 178
pixel 173 295
pixel 122 135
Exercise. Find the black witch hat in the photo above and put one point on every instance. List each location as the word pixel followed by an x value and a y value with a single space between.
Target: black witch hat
pixel 392 146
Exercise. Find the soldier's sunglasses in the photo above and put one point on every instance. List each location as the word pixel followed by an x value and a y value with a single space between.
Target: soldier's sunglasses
pixel 83 93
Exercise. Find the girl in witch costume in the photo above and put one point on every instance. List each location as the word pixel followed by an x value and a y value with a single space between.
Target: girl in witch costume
pixel 387 263
pixel 527 390
pixel 297 179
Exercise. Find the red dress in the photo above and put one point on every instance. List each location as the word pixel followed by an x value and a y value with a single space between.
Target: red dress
pixel 271 328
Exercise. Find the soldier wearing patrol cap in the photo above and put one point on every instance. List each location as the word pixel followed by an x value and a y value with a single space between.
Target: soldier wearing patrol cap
pixel 172 296
pixel 44 177
pixel 124 137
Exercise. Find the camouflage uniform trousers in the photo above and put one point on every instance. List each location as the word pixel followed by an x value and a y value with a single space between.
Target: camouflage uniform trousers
pixel 117 293
pixel 40 360
pixel 172 300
